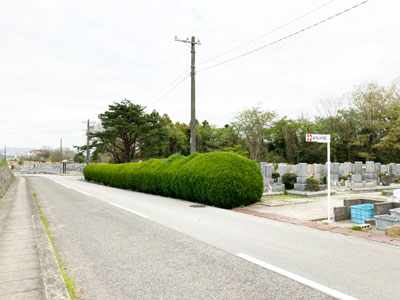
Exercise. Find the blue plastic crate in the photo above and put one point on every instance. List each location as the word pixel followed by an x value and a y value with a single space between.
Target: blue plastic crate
pixel 362 212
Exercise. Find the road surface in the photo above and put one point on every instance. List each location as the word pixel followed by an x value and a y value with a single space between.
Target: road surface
pixel 118 242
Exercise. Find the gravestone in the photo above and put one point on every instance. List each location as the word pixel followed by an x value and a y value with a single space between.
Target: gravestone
pixel 310 170
pixel 282 170
pixel 301 177
pixel 358 167
pixel 378 167
pixel 356 178
pixel 347 168
pixel 396 170
pixel 317 174
pixel 335 169
pixel 269 184
pixel 262 168
pixel 370 175
pixel 391 168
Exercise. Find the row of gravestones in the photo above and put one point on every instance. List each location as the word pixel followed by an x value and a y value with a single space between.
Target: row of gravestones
pixel 357 173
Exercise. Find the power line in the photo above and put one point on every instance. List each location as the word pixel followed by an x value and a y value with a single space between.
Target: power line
pixel 170 90
pixel 267 33
pixel 285 37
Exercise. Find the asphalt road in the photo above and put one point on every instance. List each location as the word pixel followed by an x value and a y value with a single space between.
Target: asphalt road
pixel 185 252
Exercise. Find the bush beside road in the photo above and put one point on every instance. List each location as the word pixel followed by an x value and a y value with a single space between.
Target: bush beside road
pixel 221 179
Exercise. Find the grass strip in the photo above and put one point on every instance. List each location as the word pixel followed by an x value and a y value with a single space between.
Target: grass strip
pixel 69 282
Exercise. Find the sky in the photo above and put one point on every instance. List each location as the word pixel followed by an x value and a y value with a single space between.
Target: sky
pixel 64 62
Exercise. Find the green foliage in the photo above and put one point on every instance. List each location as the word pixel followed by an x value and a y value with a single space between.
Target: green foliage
pixel 3 163
pixel 275 176
pixel 289 179
pixel 312 184
pixel 79 158
pixel 221 179
pixel 341 177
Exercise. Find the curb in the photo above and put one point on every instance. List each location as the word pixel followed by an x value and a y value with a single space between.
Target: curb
pixel 53 281
pixel 333 229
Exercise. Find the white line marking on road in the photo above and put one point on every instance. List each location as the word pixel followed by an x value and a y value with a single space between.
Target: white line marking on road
pixel 130 210
pixel 67 186
pixel 297 278
pixel 84 193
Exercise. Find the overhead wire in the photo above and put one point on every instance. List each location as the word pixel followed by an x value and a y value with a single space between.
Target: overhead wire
pixel 267 33
pixel 174 84
pixel 284 38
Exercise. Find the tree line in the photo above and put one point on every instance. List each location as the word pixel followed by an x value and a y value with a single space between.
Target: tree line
pixel 364 125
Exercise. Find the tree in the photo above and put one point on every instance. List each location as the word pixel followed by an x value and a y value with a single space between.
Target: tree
pixel 128 133
pixel 252 125
pixel 79 158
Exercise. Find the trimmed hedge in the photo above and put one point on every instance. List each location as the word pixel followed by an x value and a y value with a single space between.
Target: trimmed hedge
pixel 221 179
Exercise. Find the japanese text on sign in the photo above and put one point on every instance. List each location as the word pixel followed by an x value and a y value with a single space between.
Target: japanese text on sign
pixel 319 138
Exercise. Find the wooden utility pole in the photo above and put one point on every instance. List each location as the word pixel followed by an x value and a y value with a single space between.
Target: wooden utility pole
pixel 192 92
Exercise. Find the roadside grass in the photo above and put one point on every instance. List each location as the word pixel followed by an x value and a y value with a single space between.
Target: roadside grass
pixel 357 228
pixel 394 235
pixel 69 282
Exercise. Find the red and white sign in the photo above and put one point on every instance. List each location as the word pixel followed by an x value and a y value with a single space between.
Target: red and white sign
pixel 319 138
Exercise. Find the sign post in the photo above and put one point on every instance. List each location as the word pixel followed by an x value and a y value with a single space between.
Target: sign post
pixel 324 138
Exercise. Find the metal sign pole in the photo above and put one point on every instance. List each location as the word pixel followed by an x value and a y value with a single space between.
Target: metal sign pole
pixel 329 179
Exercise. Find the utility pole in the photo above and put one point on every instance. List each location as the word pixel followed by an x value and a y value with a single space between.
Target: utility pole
pixel 87 144
pixel 61 156
pixel 88 140
pixel 193 43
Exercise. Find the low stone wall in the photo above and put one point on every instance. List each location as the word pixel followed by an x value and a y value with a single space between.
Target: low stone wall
pixel 6 177
pixel 343 212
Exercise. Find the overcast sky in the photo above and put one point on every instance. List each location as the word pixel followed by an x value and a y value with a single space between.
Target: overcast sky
pixel 63 62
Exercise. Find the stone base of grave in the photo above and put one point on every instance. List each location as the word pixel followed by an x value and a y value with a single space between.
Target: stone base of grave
pixel 300 187
pixel 310 194
pixel 275 188
pixel 370 177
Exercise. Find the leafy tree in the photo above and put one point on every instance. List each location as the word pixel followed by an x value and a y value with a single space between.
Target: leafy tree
pixel 129 133
pixel 79 158
pixel 252 125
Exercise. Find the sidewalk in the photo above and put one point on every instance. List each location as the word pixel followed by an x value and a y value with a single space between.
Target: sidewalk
pixel 25 261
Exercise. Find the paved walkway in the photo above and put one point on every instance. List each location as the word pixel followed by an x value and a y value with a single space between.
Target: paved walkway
pixel 20 274
pixel 28 268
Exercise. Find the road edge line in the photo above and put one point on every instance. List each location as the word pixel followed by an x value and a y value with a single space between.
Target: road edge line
pixel 297 278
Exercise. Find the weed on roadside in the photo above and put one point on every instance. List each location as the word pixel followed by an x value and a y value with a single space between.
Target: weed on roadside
pixel 69 282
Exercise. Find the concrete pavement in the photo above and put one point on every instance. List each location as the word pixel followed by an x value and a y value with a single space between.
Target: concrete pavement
pixel 360 268
pixel 28 269
pixel 113 253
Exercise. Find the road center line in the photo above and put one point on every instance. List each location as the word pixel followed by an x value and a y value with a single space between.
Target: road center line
pixel 130 210
pixel 302 280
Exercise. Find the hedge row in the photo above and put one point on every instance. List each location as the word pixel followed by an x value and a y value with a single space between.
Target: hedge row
pixel 221 179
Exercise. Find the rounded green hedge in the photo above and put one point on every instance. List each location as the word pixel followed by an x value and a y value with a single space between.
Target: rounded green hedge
pixel 221 179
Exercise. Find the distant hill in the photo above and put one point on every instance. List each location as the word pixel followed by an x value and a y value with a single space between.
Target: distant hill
pixel 16 150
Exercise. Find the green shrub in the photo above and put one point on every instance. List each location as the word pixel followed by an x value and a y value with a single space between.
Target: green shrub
pixel 341 177
pixel 312 184
pixel 289 179
pixel 221 179
pixel 275 176
pixel 3 163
